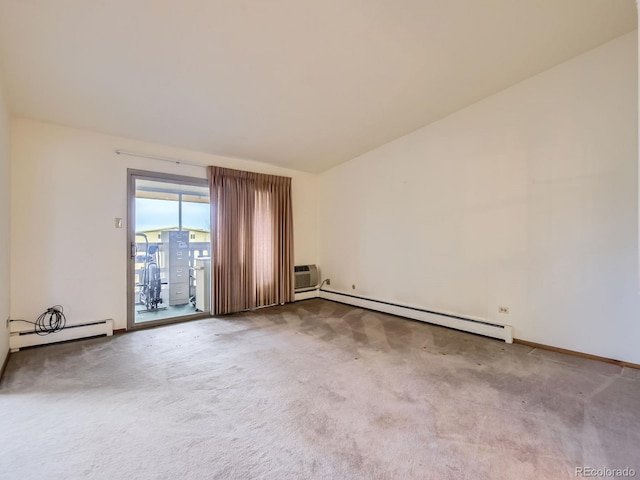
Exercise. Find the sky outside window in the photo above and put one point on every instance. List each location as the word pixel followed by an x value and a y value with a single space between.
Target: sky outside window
pixel 155 214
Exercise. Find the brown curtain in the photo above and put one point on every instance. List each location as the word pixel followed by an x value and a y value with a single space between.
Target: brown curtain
pixel 252 240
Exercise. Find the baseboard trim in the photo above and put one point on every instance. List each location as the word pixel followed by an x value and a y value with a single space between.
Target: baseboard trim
pixel 620 363
pixel 118 331
pixel 4 364
pixel 444 319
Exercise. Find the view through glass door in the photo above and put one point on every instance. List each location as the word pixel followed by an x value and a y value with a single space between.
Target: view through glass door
pixel 170 235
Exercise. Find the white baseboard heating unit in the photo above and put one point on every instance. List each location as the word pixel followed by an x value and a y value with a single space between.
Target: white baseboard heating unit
pixel 465 324
pixel 23 335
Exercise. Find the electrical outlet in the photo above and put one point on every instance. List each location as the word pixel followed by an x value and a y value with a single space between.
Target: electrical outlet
pixel 328 281
pixel 8 320
pixel 118 223
pixel 353 287
pixel 503 309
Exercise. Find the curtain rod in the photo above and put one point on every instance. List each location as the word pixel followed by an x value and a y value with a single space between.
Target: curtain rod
pixel 162 159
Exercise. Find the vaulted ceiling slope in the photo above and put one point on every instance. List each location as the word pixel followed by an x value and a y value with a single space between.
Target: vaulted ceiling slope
pixel 300 84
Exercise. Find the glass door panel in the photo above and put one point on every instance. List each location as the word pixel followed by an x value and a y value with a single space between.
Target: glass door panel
pixel 170 263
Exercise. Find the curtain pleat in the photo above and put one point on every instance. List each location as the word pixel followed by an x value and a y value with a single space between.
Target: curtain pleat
pixel 252 240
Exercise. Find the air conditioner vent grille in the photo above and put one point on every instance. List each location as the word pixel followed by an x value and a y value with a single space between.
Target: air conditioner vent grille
pixel 306 276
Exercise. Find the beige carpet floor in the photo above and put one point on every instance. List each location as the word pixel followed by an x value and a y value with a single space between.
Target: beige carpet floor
pixel 313 390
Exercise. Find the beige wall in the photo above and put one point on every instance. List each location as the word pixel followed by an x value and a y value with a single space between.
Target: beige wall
pixel 68 186
pixel 527 199
pixel 4 227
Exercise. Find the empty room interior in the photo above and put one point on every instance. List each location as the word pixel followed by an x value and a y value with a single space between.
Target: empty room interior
pixel 339 239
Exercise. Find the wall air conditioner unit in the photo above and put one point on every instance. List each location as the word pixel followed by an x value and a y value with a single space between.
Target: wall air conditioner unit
pixel 306 276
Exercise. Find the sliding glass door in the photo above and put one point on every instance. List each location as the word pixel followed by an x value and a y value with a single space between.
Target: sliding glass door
pixel 169 248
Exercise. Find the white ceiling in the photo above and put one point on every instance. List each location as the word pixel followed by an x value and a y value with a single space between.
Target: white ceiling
pixel 297 83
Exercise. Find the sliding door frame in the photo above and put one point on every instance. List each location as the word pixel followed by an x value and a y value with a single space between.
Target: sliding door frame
pixel 132 176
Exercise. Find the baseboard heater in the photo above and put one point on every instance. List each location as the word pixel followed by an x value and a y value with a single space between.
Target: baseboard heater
pixel 23 336
pixel 465 324
pixel 306 294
